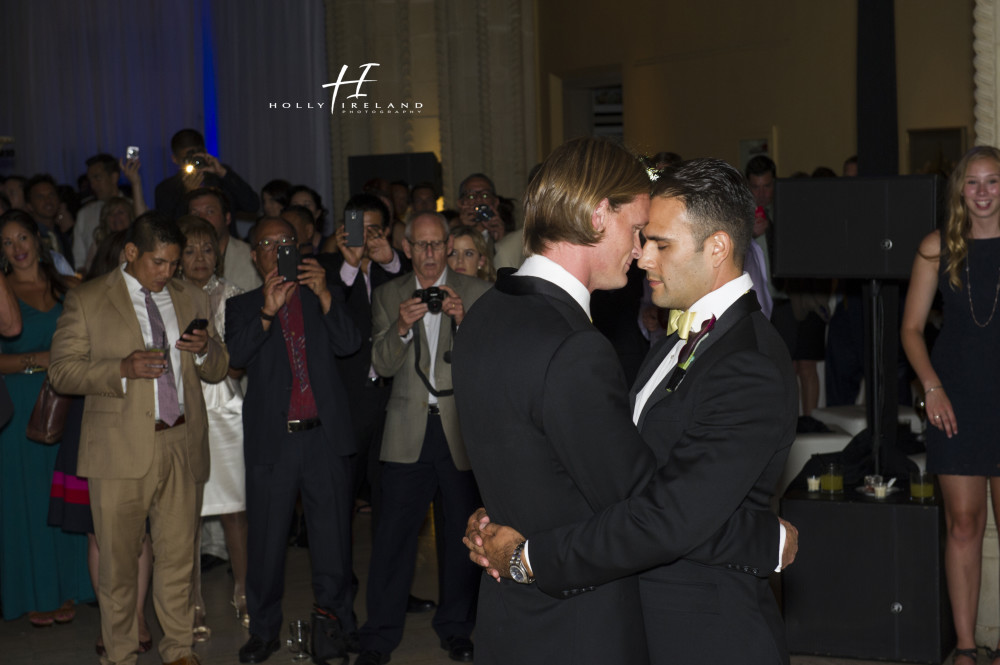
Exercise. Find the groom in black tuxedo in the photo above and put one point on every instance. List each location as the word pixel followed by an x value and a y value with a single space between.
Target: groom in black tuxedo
pixel 561 454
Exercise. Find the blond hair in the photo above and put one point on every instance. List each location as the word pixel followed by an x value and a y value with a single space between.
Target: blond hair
pixel 956 229
pixel 571 183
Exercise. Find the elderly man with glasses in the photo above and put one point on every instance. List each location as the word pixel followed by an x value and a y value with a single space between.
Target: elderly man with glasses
pixel 297 439
pixel 414 319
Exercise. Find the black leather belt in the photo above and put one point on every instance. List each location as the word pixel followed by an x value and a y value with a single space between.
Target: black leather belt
pixel 433 410
pixel 378 382
pixel 160 425
pixel 294 426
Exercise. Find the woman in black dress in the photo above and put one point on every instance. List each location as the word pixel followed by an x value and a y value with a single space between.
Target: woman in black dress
pixel 961 377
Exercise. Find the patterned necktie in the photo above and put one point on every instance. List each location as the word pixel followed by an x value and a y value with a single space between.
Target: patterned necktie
pixel 680 322
pixel 170 409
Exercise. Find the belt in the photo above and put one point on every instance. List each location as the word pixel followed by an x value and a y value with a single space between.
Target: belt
pixel 160 425
pixel 378 382
pixel 301 425
pixel 433 410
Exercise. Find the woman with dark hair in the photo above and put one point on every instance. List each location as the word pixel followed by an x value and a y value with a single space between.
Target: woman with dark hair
pixel 274 197
pixel 961 376
pixel 43 570
pixel 225 490
pixel 300 195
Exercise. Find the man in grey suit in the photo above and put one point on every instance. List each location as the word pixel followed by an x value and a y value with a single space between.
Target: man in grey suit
pixel 414 319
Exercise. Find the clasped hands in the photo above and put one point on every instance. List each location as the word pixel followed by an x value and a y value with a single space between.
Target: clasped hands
pixel 491 545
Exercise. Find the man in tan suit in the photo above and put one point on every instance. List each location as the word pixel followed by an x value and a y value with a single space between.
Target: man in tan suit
pixel 422 447
pixel 144 441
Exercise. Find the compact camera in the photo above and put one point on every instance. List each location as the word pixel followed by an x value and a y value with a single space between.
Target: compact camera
pixel 483 213
pixel 194 161
pixel 433 296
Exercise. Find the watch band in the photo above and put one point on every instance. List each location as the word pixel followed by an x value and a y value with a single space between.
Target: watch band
pixel 518 573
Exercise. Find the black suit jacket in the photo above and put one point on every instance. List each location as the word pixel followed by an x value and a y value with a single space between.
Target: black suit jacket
pixel 543 409
pixel 269 375
pixel 354 367
pixel 721 438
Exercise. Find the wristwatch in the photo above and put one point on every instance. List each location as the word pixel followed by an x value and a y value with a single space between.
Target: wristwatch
pixel 517 570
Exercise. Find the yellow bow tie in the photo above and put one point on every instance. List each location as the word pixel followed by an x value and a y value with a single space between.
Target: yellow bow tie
pixel 680 322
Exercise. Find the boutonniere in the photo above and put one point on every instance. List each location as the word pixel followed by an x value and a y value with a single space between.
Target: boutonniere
pixel 687 354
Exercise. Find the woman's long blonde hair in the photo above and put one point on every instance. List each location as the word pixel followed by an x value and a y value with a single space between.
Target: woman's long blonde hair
pixel 956 230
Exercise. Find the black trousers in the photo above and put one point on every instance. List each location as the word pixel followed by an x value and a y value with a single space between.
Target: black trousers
pixel 407 490
pixel 309 465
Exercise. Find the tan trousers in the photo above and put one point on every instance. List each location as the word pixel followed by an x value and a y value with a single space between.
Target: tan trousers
pixel 169 496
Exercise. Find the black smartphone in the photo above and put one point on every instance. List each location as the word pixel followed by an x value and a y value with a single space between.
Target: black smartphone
pixel 354 224
pixel 196 324
pixel 288 262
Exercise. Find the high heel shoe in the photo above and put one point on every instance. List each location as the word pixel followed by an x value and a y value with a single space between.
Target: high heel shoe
pixel 240 603
pixel 202 633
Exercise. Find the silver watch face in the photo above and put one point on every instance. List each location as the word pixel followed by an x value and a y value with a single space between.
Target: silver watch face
pixel 518 574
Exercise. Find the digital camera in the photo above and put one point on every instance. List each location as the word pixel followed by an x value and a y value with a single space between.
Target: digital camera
pixel 433 296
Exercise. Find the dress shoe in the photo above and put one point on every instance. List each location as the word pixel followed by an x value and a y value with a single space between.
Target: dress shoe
pixel 416 605
pixel 372 658
pixel 189 659
pixel 458 648
pixel 210 561
pixel 257 650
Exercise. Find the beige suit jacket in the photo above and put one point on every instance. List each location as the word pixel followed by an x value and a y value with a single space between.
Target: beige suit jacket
pixel 98 328
pixel 406 414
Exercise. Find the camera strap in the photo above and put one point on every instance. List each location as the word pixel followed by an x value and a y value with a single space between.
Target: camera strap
pixel 420 372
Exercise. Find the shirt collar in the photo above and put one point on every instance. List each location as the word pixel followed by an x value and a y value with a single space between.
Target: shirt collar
pixel 718 301
pixel 545 268
pixel 442 279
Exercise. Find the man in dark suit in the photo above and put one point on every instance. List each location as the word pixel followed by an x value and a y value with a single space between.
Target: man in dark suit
pixel 359 270
pixel 557 406
pixel 422 447
pixel 297 438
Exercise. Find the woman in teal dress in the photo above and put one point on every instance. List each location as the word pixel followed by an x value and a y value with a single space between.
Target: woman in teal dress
pixel 43 570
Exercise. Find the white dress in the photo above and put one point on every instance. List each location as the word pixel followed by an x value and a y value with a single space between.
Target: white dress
pixel 225 491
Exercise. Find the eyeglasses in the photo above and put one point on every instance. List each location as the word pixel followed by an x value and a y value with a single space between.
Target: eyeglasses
pixel 473 197
pixel 268 245
pixel 422 245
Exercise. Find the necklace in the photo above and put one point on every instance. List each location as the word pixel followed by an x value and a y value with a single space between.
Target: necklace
pixel 968 287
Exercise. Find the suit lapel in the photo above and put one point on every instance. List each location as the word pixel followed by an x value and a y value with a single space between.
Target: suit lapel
pixel 512 284
pixel 744 306
pixel 184 313
pixel 118 296
pixel 656 355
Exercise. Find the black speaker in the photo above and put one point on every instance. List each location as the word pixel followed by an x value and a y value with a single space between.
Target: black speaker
pixel 852 227
pixel 413 167
pixel 868 580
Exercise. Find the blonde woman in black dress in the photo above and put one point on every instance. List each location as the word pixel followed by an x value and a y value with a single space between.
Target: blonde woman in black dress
pixel 961 376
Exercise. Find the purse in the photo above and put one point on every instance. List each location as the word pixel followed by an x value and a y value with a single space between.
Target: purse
pixel 48 418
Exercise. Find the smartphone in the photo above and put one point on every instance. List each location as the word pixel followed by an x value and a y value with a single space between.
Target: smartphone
pixel 132 153
pixel 354 224
pixel 196 324
pixel 288 262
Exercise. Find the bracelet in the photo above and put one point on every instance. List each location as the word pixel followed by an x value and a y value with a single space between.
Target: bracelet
pixel 265 316
pixel 932 389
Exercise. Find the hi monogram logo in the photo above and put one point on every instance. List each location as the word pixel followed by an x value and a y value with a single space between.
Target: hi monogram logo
pixel 379 107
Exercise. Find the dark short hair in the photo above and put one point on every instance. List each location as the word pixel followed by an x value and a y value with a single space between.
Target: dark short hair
pixel 716 198
pixel 277 189
pixel 109 163
pixel 760 165
pixel 481 176
pixel 368 203
pixel 424 185
pixel 302 213
pixel 208 191
pixel 154 228
pixel 36 180
pixel 185 140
